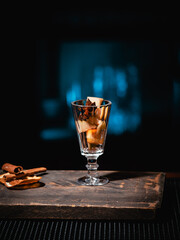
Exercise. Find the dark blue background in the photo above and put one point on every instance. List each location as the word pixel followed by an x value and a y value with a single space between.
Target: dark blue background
pixel 154 145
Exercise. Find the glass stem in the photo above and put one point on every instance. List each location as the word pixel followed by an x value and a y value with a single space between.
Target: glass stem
pixel 92 167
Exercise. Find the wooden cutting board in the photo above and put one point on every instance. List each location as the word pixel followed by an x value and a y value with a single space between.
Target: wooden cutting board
pixel 128 195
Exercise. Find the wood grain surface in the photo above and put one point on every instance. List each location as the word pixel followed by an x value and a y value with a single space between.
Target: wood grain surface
pixel 128 195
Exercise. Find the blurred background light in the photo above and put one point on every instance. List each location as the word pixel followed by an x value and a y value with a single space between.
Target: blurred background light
pixel 74 93
pixel 50 107
pixel 121 83
pixel 55 134
pixel 100 69
pixel 98 81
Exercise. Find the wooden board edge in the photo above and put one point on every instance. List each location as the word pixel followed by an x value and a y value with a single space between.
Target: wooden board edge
pixel 68 212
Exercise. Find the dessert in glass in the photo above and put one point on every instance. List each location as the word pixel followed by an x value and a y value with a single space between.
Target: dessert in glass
pixel 91 117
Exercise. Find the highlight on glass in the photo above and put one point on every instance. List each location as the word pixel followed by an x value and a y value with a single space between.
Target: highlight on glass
pixel 91 118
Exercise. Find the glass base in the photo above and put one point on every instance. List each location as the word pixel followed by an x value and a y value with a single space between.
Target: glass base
pixel 92 181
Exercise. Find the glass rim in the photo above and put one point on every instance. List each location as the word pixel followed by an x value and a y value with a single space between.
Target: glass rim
pixel 102 105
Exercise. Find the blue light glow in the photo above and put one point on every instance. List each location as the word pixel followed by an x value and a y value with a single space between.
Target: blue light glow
pixel 102 70
pixel 117 122
pixel 132 70
pixel 73 93
pixel 121 83
pixel 134 121
pixel 98 81
pixel 121 121
pixel 50 107
pixel 55 134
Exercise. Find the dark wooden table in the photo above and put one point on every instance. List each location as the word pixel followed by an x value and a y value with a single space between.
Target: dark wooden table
pixel 128 195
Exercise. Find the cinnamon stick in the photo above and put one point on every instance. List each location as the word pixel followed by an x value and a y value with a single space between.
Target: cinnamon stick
pixel 18 182
pixel 24 173
pixel 11 168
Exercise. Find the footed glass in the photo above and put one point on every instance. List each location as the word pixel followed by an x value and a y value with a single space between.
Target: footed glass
pixel 91 120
